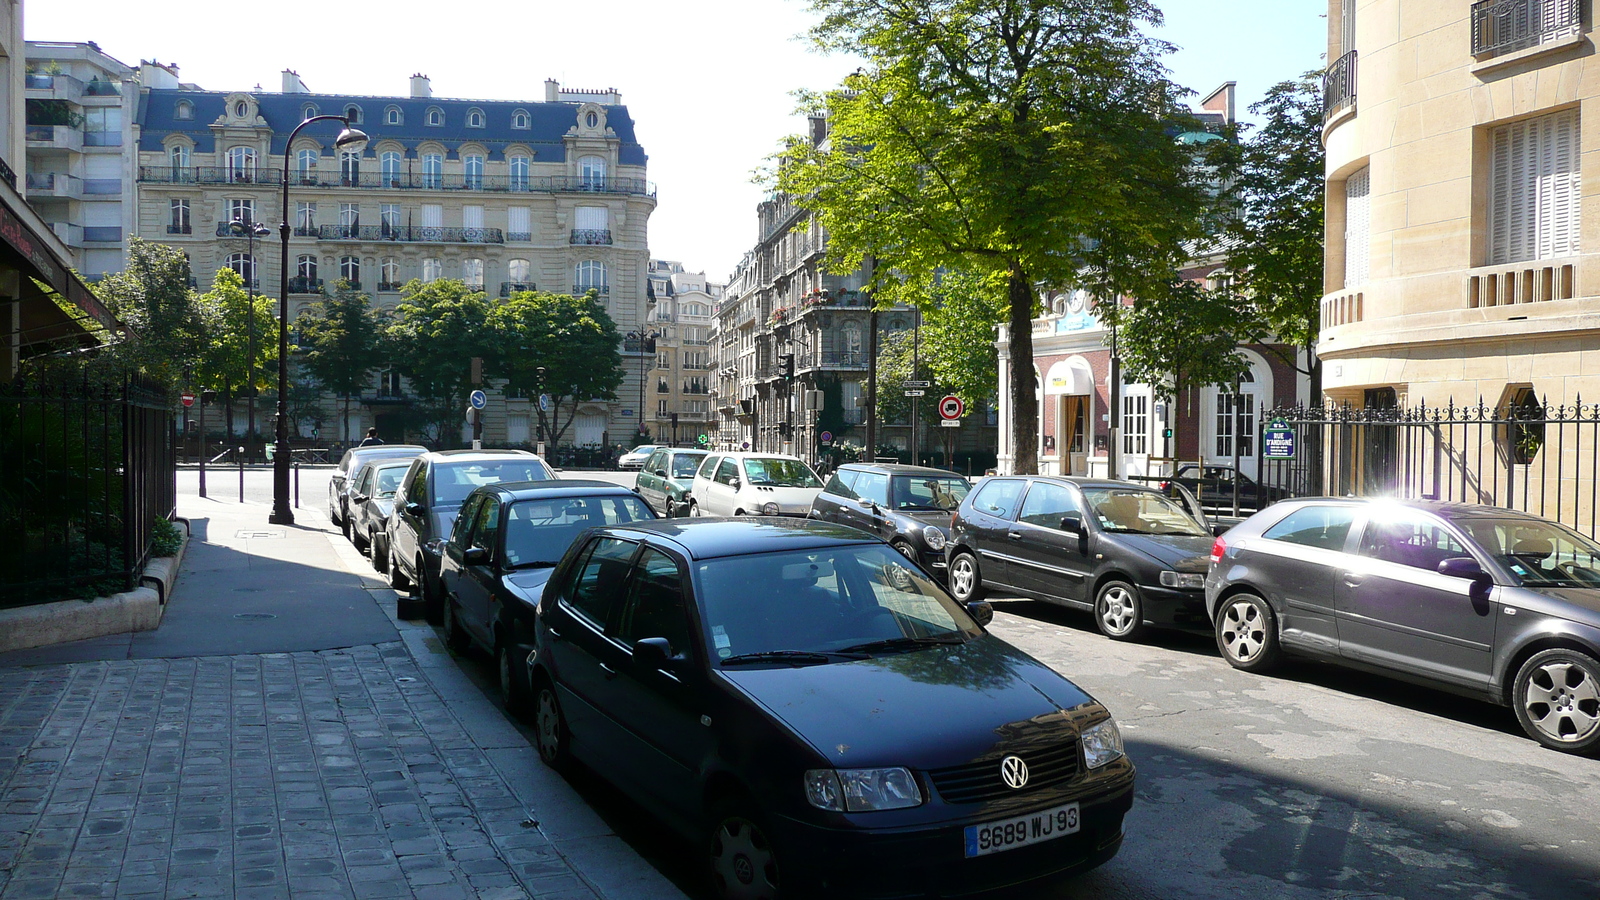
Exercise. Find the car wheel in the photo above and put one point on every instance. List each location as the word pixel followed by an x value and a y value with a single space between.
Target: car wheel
pixel 429 592
pixel 362 543
pixel 966 585
pixel 513 680
pixel 551 725
pixel 344 525
pixel 455 637
pixel 1247 633
pixel 744 863
pixel 1557 699
pixel 905 549
pixel 397 576
pixel 380 554
pixel 1118 611
pixel 694 510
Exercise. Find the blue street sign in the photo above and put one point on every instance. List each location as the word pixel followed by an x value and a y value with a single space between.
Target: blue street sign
pixel 544 402
pixel 1278 440
pixel 479 399
pixel 827 436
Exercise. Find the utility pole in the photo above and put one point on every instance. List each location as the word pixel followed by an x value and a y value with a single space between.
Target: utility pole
pixel 1116 408
pixel 872 381
pixel 916 343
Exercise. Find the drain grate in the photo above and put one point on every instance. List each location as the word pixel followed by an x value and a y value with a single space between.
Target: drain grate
pixel 254 616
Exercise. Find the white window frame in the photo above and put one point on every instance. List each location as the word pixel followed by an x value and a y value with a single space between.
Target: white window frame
pixel 1535 189
pixel 432 269
pixel 350 269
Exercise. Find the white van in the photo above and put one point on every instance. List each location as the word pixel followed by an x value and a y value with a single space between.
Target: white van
pixel 753 484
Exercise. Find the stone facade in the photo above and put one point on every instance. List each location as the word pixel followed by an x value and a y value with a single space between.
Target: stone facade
pixel 679 384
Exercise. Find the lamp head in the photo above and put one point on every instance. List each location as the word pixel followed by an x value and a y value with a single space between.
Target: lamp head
pixel 350 140
pixel 238 227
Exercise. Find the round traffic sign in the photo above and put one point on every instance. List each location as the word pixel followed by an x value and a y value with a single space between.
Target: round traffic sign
pixel 188 399
pixel 951 407
pixel 827 436
pixel 479 399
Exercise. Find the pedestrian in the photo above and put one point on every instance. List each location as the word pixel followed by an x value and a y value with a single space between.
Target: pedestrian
pixel 371 439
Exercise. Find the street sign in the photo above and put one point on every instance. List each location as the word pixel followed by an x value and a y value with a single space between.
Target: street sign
pixel 950 423
pixel 951 407
pixel 913 384
pixel 544 402
pixel 188 399
pixel 479 399
pixel 918 393
pixel 1278 441
pixel 827 436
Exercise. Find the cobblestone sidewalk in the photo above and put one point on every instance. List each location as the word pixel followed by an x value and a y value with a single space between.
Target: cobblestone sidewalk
pixel 335 774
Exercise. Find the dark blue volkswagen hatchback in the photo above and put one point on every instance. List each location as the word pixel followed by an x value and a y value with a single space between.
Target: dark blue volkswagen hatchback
pixel 818 714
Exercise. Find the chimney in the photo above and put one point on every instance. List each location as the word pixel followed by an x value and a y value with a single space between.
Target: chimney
pixel 819 129
pixel 1221 101
pixel 552 90
pixel 292 83
pixel 160 76
pixel 421 88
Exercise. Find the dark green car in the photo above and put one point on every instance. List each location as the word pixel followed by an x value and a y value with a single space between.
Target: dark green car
pixel 666 478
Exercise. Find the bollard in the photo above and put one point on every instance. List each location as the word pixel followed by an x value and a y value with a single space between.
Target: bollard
pixel 297 484
pixel 241 474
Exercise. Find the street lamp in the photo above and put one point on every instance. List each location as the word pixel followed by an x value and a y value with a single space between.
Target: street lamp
pixel 240 227
pixel 350 140
pixel 645 341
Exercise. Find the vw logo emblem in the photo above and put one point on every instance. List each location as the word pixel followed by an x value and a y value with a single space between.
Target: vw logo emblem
pixel 1014 771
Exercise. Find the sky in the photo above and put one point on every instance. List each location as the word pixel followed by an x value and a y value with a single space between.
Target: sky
pixel 709 83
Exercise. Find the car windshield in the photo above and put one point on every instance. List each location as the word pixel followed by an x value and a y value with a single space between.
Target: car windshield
pixel 1538 554
pixel 1134 511
pixel 642 450
pixel 538 532
pixel 452 482
pixel 818 606
pixel 774 472
pixel 388 480
pixel 685 466
pixel 929 492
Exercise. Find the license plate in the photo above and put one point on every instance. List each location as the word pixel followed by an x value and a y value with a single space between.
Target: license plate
pixel 1032 828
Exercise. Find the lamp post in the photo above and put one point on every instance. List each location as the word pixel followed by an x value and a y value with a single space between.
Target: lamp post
pixel 350 140
pixel 250 231
pixel 647 348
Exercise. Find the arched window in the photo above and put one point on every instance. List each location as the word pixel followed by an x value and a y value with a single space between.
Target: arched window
pixel 592 169
pixel 389 274
pixel 472 166
pixel 180 163
pixel 519 271
pixel 245 266
pixel 306 165
pixel 590 274
pixel 307 111
pixel 394 116
pixel 389 163
pixel 184 110
pixel 241 164
pixel 350 168
pixel 472 273
pixel 435 116
pixel 350 270
pixel 520 166
pixel 240 109
pixel 474 118
pixel 433 170
pixel 353 114
pixel 432 268
pixel 521 120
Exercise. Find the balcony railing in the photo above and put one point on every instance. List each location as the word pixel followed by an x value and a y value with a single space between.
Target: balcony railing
pixel 590 236
pixel 578 290
pixel 543 184
pixel 507 288
pixel 389 287
pixel 108 234
pixel 300 284
pixel 519 237
pixel 1339 86
pixel 8 176
pixel 64 137
pixel 425 234
pixel 38 81
pixel 57 183
pixel 833 359
pixel 1503 26
pixel 102 89
pixel 180 229
pixel 225 229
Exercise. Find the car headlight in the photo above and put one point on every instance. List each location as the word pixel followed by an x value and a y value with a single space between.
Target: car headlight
pixel 862 790
pixel 933 537
pixel 769 508
pixel 1194 580
pixel 1101 744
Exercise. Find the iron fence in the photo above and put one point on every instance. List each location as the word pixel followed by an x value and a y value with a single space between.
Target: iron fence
pixel 1502 26
pixel 1525 455
pixel 427 234
pixel 85 470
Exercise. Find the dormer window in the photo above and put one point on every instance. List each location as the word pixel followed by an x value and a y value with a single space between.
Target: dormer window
pixel 184 110
pixel 519 119
pixel 474 118
pixel 393 116
pixel 435 116
pixel 592 120
pixel 307 111
pixel 240 109
pixel 353 114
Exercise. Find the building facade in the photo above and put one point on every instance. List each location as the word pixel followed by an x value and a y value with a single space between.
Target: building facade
pixel 677 407
pixel 504 195
pixel 81 155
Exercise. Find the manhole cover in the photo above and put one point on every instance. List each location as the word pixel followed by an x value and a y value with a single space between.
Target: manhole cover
pixel 245 534
pixel 254 616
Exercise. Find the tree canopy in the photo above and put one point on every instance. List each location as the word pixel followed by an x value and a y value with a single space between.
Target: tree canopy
pixel 341 343
pixel 152 296
pixel 571 339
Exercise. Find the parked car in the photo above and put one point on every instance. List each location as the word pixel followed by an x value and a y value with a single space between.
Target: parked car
pixel 1214 486
pixel 753 484
pixel 908 506
pixel 506 542
pixel 1121 550
pixel 371 499
pixel 635 458
pixel 338 485
pixel 667 479
pixel 425 510
pixel 846 728
pixel 1483 601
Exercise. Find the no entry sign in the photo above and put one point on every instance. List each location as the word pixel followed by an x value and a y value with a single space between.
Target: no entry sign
pixel 951 407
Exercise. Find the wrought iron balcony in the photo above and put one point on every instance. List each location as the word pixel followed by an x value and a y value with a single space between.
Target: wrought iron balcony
pixel 225 230
pixel 507 288
pixel 521 237
pixel 8 176
pixel 300 284
pixel 417 181
pixel 425 234
pixel 389 287
pixel 1503 26
pixel 1339 86
pixel 578 290
pixel 833 359
pixel 590 236
pixel 96 88
pixel 185 228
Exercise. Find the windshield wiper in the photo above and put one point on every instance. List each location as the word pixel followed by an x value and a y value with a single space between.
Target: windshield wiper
pixel 890 645
pixel 792 657
pixel 537 564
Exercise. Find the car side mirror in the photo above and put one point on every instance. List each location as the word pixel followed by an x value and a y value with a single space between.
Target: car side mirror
pixel 1461 567
pixel 1071 523
pixel 358 497
pixel 733 483
pixel 475 556
pixel 415 508
pixel 981 611
pixel 653 653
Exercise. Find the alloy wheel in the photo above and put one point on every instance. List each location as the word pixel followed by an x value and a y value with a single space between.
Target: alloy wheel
pixel 963 578
pixel 743 865
pixel 1243 631
pixel 550 727
pixel 1561 700
pixel 1118 611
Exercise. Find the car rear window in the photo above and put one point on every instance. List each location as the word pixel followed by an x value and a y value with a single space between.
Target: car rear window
pixel 538 532
pixel 684 466
pixel 1325 527
pixel 452 482
pixel 998 498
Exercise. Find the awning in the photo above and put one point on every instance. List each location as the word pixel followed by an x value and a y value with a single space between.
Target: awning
pixel 1070 376
pixel 56 305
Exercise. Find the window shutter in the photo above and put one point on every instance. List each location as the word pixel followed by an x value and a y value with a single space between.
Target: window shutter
pixel 472 217
pixel 592 218
pixel 517 220
pixel 432 215
pixel 1534 189
pixel 1358 227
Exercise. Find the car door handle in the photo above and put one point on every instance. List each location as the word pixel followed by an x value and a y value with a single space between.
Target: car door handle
pixel 607 671
pixel 1014 535
pixel 1353 580
pixel 554 634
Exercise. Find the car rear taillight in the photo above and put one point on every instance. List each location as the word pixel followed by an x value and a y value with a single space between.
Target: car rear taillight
pixel 1165 485
pixel 1218 547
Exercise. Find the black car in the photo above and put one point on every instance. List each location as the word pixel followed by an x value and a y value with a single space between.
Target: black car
pixel 908 506
pixel 1214 485
pixel 846 728
pixel 371 499
pixel 1483 601
pixel 1125 551
pixel 339 484
pixel 506 542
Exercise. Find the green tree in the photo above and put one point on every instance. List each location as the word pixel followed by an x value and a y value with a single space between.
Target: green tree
pixel 1176 335
pixel 900 360
pixel 152 296
pixel 224 362
pixel 959 315
pixel 435 332
pixel 342 342
pixel 571 339
pixel 1024 142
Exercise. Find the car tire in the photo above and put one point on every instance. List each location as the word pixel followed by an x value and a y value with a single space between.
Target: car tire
pixel 1247 633
pixel 1556 696
pixel 380 554
pixel 430 594
pixel 397 576
pixel 550 726
pixel 694 510
pixel 1119 611
pixel 455 637
pixel 513 680
pixel 966 582
pixel 905 549
pixel 743 862
pixel 362 544
pixel 344 526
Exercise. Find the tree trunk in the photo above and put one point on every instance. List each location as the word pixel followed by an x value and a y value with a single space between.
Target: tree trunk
pixel 1024 402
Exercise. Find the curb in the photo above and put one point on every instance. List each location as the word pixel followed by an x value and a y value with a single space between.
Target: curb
pixel 43 624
